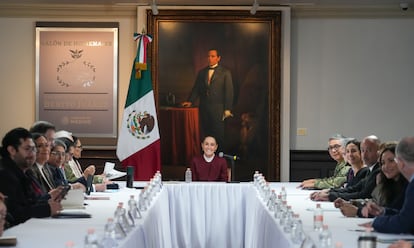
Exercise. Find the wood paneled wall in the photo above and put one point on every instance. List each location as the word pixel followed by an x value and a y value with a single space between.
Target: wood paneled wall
pixel 304 164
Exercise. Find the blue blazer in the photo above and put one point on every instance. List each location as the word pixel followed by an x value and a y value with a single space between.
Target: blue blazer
pixel 402 221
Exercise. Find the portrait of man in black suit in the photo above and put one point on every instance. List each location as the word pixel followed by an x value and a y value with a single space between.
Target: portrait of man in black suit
pixel 239 104
pixel 214 87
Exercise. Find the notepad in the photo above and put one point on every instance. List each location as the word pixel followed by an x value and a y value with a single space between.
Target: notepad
pixel 73 200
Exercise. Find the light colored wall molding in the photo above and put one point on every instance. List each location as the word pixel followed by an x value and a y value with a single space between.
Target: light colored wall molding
pixel 378 11
pixel 72 11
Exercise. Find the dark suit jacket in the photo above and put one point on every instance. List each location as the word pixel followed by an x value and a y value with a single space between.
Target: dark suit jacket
pixel 363 189
pixel 41 180
pixel 22 202
pixel 214 99
pixel 398 221
pixel 219 91
pixel 57 174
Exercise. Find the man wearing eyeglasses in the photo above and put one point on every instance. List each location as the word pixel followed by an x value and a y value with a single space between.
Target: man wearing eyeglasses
pixel 341 170
pixel 18 153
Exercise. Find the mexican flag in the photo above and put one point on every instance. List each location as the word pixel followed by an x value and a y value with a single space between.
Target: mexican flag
pixel 139 138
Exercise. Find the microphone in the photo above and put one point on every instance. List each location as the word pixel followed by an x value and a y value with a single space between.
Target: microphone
pixel 231 157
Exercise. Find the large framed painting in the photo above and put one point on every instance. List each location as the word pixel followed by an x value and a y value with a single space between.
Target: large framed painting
pixel 77 79
pixel 249 47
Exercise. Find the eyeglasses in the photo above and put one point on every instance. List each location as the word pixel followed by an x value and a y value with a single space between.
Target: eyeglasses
pixel 334 147
pixel 61 154
pixel 30 149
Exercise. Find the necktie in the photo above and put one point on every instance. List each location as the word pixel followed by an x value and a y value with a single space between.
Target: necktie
pixel 63 176
pixel 45 175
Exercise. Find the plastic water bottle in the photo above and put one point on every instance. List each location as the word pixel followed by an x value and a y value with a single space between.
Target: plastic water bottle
pixel 325 238
pixel 283 193
pixel 70 244
pixel 127 222
pixel 121 225
pixel 133 210
pixel 91 240
pixel 256 178
pixel 188 176
pixel 109 238
pixel 318 218
pixel 297 230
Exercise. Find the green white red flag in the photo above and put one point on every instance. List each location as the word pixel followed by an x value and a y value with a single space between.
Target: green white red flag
pixel 139 138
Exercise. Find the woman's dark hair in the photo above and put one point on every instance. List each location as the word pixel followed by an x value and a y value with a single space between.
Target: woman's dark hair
pixel 389 188
pixel 355 142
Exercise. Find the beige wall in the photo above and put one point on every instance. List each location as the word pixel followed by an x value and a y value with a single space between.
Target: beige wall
pixel 17 68
pixel 17 49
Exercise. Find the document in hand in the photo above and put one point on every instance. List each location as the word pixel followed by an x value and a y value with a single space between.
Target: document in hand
pixel 111 173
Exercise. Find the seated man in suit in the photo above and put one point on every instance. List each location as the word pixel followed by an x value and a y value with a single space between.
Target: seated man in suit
pixel 391 220
pixel 18 153
pixel 40 168
pixel 46 128
pixel 363 189
pixel 56 161
pixel 71 177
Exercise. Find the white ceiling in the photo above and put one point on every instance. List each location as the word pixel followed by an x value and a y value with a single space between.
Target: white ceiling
pixel 336 3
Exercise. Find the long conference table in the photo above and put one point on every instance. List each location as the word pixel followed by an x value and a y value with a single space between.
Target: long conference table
pixel 196 215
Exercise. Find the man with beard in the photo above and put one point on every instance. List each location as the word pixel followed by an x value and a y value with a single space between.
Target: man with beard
pixel 25 199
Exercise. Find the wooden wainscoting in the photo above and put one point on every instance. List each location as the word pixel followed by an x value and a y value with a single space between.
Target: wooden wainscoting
pixel 305 164
pixel 98 157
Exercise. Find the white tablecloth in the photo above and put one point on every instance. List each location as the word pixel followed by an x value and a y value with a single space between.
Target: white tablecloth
pixel 195 215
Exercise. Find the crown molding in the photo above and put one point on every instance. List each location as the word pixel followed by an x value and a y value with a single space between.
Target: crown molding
pixel 95 11
pixel 377 11
pixel 47 10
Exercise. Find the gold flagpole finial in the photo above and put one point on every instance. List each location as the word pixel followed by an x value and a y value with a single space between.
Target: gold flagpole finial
pixel 143 31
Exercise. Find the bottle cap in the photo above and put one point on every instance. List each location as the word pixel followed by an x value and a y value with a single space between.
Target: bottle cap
pixel 69 244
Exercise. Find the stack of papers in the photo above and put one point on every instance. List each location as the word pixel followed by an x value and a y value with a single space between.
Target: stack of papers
pixel 111 173
pixel 73 200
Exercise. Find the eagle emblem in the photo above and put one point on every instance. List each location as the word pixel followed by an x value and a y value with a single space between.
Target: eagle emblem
pixel 140 124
